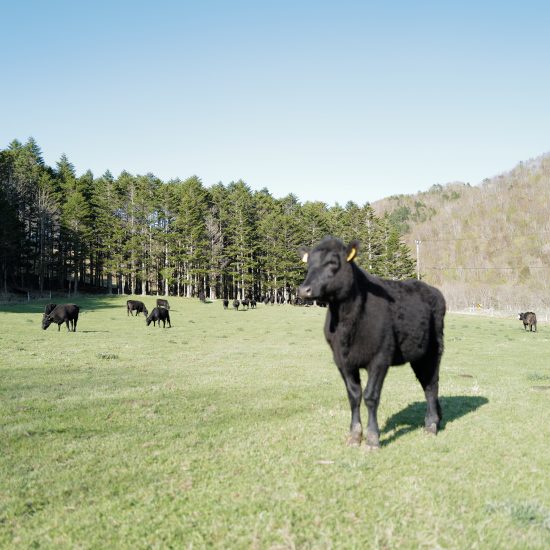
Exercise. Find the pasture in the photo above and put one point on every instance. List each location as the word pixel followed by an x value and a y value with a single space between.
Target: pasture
pixel 228 429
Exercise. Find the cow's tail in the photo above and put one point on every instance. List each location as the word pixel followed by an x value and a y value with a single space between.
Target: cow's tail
pixel 438 321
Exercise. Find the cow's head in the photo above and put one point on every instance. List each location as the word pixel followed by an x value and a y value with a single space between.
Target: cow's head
pixel 46 321
pixel 520 316
pixel 330 273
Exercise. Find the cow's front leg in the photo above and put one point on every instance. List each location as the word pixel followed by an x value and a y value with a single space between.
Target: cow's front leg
pixel 353 387
pixel 377 373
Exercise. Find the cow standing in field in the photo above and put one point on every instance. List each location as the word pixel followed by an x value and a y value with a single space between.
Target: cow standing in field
pixel 252 303
pixel 225 303
pixel 373 323
pixel 529 320
pixel 161 302
pixel 236 305
pixel 137 306
pixel 202 297
pixel 63 313
pixel 245 303
pixel 159 314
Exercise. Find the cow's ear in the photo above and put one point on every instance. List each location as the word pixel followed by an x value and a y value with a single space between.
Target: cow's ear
pixel 304 253
pixel 351 250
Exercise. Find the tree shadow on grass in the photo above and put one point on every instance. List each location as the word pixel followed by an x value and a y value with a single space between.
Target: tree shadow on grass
pixel 412 417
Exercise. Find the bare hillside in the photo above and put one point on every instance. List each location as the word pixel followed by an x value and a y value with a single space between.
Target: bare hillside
pixel 485 245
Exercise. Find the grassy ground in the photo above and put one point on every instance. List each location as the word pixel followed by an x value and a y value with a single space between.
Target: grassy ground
pixel 227 431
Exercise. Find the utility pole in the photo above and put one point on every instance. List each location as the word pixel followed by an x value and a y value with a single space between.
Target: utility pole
pixel 418 242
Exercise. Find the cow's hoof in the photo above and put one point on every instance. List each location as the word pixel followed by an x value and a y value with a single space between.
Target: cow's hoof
pixel 354 437
pixel 373 442
pixel 431 429
pixel 353 440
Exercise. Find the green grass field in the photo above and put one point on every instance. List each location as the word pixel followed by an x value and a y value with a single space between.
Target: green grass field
pixel 228 430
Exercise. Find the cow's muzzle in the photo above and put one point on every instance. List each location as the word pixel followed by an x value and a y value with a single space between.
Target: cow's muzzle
pixel 304 291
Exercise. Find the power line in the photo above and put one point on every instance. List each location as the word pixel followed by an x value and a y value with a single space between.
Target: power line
pixel 528 235
pixel 487 267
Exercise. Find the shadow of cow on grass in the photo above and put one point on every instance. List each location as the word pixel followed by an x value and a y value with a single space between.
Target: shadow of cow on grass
pixel 411 417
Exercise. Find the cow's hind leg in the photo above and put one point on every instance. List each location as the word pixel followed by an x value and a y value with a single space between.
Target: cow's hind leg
pixel 427 372
pixel 377 374
pixel 352 381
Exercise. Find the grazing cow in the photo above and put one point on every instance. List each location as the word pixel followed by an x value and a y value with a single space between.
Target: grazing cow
pixel 49 308
pixel 137 306
pixel 373 323
pixel 245 302
pixel 159 314
pixel 253 303
pixel 202 297
pixel 266 300
pixel 161 302
pixel 236 304
pixel 272 300
pixel 63 313
pixel 529 319
pixel 225 303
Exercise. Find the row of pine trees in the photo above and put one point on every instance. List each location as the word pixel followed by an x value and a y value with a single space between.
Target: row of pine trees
pixel 139 235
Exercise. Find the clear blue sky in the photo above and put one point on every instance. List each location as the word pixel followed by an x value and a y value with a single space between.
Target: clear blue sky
pixel 332 101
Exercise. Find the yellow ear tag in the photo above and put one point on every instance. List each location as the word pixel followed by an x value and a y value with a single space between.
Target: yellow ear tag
pixel 305 257
pixel 352 254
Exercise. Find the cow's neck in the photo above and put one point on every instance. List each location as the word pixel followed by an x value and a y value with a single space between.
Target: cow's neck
pixel 345 312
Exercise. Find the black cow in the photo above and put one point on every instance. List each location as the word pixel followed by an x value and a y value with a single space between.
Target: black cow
pixel 49 308
pixel 202 297
pixel 373 323
pixel 236 304
pixel 63 313
pixel 253 303
pixel 225 303
pixel 161 302
pixel 245 303
pixel 529 319
pixel 159 314
pixel 137 306
pixel 266 300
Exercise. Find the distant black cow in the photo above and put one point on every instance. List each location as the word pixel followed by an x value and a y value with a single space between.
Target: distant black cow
pixel 266 300
pixel 137 306
pixel 373 323
pixel 236 304
pixel 253 303
pixel 272 300
pixel 161 302
pixel 225 303
pixel 49 308
pixel 202 296
pixel 529 319
pixel 159 314
pixel 63 313
pixel 245 303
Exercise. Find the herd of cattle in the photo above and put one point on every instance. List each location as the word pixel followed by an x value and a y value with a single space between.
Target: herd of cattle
pixel 371 324
pixel 68 313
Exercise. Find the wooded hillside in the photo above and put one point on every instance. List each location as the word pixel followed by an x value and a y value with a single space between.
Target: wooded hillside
pixel 138 234
pixel 486 245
